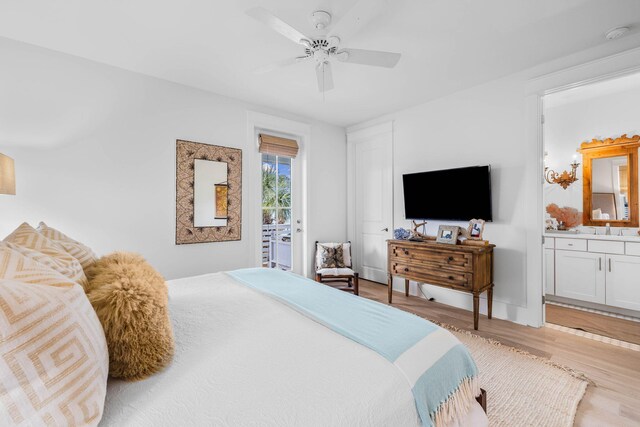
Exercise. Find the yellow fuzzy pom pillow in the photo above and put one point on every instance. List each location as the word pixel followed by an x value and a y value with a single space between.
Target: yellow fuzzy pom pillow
pixel 131 300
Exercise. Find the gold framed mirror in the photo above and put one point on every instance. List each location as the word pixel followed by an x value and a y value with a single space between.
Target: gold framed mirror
pixel 610 181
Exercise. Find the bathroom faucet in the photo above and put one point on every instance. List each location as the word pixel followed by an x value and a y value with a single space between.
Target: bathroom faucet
pixel 608 229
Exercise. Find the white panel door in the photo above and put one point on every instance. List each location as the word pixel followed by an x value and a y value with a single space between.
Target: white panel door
pixel 623 281
pixel 372 177
pixel 550 271
pixel 580 275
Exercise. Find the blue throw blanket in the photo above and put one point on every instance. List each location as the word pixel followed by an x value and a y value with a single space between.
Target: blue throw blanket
pixel 438 368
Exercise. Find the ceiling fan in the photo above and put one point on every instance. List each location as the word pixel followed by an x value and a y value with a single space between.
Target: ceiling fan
pixel 323 49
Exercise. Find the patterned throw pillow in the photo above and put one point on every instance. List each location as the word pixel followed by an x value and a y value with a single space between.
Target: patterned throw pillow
pixel 79 251
pixel 23 264
pixel 331 256
pixel 53 354
pixel 58 259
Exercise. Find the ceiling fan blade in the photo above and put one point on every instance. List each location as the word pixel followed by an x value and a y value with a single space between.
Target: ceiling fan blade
pixel 280 64
pixel 358 17
pixel 277 24
pixel 325 76
pixel 369 57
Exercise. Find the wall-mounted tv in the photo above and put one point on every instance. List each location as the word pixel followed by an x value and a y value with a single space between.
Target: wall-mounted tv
pixel 458 194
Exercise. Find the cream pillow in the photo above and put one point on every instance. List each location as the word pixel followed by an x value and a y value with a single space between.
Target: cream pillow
pixel 58 259
pixel 16 263
pixel 53 353
pixel 79 251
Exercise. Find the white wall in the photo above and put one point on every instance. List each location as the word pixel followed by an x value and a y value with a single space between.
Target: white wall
pixel 570 124
pixel 94 148
pixel 475 127
pixel 487 124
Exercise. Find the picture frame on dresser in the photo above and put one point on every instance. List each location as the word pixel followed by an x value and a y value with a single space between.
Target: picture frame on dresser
pixel 448 234
pixel 475 229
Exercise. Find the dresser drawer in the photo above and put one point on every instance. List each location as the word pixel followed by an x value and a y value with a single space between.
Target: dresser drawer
pixel 433 276
pixel 433 258
pixel 606 247
pixel 633 248
pixel 571 244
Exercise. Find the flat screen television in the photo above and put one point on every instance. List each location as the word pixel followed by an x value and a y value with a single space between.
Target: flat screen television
pixel 458 194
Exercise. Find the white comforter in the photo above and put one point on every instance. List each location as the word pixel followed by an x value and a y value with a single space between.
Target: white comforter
pixel 244 359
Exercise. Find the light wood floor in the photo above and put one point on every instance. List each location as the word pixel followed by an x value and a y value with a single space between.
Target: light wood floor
pixel 613 401
pixel 621 329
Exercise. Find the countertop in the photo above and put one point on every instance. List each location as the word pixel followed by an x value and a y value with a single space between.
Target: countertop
pixel 565 235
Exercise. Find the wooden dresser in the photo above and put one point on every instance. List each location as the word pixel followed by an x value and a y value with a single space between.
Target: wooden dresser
pixel 461 267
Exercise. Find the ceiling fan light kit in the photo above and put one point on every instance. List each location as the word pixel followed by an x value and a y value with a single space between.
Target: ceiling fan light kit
pixel 325 48
pixel 320 19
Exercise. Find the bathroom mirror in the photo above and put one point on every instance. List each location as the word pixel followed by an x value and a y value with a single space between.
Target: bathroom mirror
pixel 208 193
pixel 610 188
pixel 610 182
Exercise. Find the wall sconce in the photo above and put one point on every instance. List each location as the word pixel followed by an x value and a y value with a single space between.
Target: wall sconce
pixel 563 179
pixel 7 175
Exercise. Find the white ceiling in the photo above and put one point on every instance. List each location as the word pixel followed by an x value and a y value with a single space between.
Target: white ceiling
pixel 446 45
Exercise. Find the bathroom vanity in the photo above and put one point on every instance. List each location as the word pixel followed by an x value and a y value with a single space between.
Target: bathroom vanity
pixel 597 264
pixel 597 269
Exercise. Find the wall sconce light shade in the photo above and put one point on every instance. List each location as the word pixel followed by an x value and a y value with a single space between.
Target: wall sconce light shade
pixel 7 175
pixel 563 179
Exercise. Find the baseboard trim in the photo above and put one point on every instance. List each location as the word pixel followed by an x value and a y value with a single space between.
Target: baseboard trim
pixel 464 300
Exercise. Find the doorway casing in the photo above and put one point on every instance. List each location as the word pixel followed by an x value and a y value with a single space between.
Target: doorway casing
pixel 301 132
pixel 606 68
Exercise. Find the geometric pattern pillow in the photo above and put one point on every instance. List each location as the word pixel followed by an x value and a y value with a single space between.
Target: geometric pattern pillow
pixel 53 356
pixel 18 265
pixel 28 237
pixel 79 251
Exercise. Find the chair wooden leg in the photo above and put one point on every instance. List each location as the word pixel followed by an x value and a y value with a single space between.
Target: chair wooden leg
pixel 356 289
pixel 318 278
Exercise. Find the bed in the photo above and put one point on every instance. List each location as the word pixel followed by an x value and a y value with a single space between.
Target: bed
pixel 247 355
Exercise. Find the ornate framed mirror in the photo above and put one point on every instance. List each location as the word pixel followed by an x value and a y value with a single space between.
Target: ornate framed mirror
pixel 208 193
pixel 610 181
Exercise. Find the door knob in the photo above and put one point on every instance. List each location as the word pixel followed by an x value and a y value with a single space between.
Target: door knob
pixel 385 229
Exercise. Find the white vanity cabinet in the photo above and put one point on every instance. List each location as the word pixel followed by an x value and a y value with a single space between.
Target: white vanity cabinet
pixel 598 271
pixel 580 275
pixel 623 281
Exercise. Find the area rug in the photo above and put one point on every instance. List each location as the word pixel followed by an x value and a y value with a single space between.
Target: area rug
pixel 523 389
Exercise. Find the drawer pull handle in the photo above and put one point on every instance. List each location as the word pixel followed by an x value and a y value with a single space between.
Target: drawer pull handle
pixel 450 277
pixel 406 269
pixel 406 252
pixel 450 258
pixel 569 244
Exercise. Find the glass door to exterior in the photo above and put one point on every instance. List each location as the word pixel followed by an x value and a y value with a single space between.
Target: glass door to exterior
pixel 276 212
